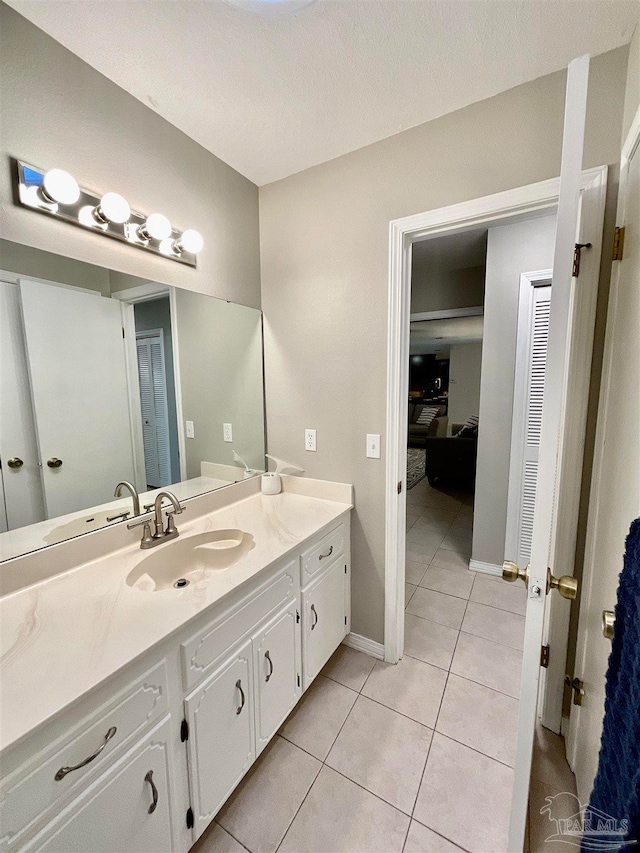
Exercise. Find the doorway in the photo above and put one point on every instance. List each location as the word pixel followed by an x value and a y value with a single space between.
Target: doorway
pixel 505 211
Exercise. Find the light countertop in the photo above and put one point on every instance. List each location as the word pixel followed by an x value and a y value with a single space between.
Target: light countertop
pixel 63 636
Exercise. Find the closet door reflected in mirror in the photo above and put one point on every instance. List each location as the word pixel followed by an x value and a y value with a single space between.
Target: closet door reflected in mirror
pixel 105 378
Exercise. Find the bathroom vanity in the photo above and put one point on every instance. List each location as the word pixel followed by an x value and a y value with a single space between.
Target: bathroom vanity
pixel 133 702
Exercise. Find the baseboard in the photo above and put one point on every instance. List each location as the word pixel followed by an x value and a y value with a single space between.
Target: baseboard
pixel 485 568
pixel 364 644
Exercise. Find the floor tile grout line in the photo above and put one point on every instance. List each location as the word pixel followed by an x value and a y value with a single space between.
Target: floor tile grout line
pixel 214 821
pixel 315 779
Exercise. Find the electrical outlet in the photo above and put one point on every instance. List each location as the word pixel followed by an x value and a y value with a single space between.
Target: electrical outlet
pixel 310 439
pixel 373 446
pixel 227 432
pixel 190 430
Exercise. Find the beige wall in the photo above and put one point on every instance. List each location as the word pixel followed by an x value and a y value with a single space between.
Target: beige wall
pixel 511 250
pixel 462 288
pixel 632 92
pixel 324 258
pixel 465 362
pixel 58 111
pixel 32 262
pixel 220 356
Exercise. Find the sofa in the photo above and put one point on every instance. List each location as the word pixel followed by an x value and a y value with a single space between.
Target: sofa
pixel 451 459
pixel 418 433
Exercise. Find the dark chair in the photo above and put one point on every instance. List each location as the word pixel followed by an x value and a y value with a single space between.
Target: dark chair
pixel 451 459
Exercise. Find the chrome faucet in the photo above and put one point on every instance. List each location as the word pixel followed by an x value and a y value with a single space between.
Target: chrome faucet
pixel 125 484
pixel 159 535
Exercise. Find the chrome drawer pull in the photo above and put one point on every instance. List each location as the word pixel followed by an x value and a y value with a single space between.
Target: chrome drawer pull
pixel 241 706
pixel 64 770
pixel 270 673
pixel 315 621
pixel 149 778
pixel 328 554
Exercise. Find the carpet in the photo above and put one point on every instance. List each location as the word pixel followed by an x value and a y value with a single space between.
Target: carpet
pixel 415 466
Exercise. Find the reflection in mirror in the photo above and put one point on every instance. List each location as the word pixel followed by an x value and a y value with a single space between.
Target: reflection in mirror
pixel 107 380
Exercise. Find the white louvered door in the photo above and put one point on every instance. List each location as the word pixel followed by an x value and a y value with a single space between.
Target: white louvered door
pixel 531 361
pixel 154 409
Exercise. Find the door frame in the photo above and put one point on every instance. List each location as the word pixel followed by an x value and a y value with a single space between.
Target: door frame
pixel 499 208
pixel 588 619
pixel 159 335
pixel 148 292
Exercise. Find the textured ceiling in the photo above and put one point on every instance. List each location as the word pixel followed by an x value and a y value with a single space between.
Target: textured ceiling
pixel 274 95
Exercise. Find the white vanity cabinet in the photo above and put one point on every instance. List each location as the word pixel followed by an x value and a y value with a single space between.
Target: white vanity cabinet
pixel 326 589
pixel 221 735
pixel 189 717
pixel 126 809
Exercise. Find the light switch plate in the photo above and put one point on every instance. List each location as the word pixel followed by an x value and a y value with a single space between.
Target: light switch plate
pixel 190 430
pixel 310 439
pixel 227 432
pixel 373 446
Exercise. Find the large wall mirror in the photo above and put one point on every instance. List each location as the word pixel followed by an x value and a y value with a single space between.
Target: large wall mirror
pixel 105 378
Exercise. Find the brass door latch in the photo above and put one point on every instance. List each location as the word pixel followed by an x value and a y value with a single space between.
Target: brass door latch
pixel 578 689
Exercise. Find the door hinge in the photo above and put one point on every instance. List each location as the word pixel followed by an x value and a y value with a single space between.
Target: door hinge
pixel 298 679
pixel 184 731
pixel 575 272
pixel 400 487
pixel 345 620
pixel 189 818
pixel 345 570
pixel 544 656
pixel 123 331
pixel 578 689
pixel 618 243
pixel 297 616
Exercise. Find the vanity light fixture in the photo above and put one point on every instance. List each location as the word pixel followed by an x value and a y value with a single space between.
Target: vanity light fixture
pixel 59 186
pixel 57 193
pixel 156 226
pixel 112 208
pixel 191 241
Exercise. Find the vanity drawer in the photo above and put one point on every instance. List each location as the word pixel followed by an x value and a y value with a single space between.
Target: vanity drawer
pixel 320 555
pixel 204 650
pixel 32 790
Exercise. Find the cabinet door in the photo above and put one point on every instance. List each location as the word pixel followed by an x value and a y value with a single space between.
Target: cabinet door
pixel 114 813
pixel 277 670
pixel 324 614
pixel 220 716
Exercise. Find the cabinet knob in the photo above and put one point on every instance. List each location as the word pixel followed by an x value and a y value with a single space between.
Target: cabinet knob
pixel 54 462
pixel 15 462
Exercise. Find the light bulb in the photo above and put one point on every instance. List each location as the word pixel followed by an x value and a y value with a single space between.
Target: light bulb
pixel 60 186
pixel 87 217
pixel 157 226
pixel 191 241
pixel 113 208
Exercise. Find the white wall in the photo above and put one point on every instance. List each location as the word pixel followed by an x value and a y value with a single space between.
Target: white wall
pixel 463 288
pixel 511 250
pixel 465 362
pixel 58 111
pixel 324 253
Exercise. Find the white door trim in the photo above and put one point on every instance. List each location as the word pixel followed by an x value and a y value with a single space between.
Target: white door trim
pixel 510 205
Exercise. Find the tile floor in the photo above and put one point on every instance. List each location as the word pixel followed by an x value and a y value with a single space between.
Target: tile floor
pixel 414 757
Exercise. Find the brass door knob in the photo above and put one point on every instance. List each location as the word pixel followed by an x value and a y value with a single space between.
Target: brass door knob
pixel 15 462
pixel 608 624
pixel 54 462
pixel 566 585
pixel 512 572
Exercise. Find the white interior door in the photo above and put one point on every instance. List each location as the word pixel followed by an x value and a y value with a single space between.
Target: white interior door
pixel 75 354
pixel 22 485
pixel 615 492
pixel 154 409
pixel 552 420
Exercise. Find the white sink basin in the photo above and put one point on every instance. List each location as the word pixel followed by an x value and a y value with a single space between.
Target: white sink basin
pixel 84 524
pixel 183 561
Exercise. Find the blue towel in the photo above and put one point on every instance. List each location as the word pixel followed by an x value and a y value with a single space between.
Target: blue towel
pixel 616 790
